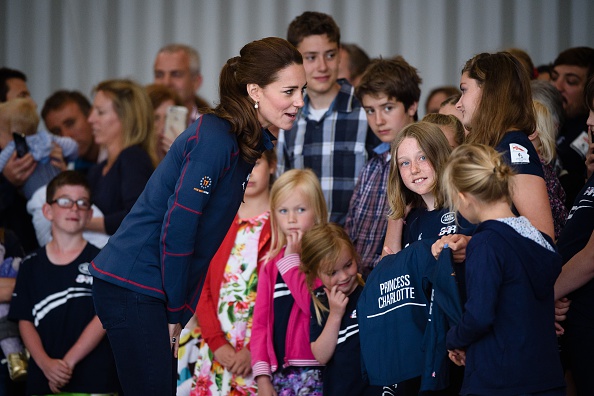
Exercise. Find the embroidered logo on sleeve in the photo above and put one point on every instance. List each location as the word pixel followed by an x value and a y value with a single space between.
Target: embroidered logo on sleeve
pixel 245 183
pixel 205 184
pixel 519 154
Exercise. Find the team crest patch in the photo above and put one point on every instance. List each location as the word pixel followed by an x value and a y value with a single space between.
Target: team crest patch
pixel 448 218
pixel 205 184
pixel 84 276
pixel 84 269
pixel 519 154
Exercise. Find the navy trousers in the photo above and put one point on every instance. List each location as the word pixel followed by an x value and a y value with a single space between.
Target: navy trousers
pixel 136 326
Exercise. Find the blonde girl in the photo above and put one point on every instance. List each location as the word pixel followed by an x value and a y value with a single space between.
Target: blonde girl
pixel 506 336
pixel 329 255
pixel 281 356
pixel 228 297
pixel 543 140
pixel 418 154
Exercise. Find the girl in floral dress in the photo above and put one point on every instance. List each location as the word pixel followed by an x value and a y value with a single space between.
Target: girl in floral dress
pixel 227 302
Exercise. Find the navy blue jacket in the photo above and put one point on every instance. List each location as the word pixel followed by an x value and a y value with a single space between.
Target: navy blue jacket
pixel 508 327
pixel 165 244
pixel 445 311
pixel 393 310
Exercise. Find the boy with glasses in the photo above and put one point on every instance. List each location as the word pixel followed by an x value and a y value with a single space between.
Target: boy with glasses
pixel 53 303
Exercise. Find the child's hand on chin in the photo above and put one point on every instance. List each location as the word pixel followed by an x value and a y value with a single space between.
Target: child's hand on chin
pixel 337 301
pixel 294 242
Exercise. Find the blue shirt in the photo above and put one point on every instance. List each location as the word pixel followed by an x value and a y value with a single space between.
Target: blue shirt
pixel 164 246
pixel 508 327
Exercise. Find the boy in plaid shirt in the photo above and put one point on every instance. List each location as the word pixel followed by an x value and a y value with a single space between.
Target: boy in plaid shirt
pixel 330 135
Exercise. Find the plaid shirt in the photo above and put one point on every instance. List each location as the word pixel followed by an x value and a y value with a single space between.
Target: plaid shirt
pixel 367 219
pixel 334 148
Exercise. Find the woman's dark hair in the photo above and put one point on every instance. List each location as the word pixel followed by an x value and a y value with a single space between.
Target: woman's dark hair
pixel 506 100
pixel 259 62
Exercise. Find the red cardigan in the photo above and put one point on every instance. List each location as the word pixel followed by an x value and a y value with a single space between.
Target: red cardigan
pixel 206 310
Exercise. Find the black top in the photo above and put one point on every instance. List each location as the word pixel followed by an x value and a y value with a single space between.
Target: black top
pixel 424 224
pixel 58 300
pixel 117 191
pixel 573 238
pixel 342 374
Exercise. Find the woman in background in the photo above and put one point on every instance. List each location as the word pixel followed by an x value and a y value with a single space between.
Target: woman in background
pixel 122 121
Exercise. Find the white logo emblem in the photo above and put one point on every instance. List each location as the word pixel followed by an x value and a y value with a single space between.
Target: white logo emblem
pixel 519 154
pixel 84 269
pixel 448 218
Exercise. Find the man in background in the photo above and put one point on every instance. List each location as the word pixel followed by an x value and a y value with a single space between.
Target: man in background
pixel 65 113
pixel 178 67
pixel 571 70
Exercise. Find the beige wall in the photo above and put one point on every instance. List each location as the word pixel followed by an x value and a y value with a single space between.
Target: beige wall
pixel 75 44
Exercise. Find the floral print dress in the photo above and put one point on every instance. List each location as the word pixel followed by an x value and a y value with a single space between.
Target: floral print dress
pixel 235 312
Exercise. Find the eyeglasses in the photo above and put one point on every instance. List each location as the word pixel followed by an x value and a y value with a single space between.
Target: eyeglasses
pixel 67 203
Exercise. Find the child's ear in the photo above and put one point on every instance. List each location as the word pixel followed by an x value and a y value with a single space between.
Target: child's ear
pixel 413 109
pixel 47 211
pixel 462 198
pixel 533 135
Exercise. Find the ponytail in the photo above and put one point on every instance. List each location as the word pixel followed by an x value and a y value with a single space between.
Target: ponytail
pixel 259 62
pixel 479 170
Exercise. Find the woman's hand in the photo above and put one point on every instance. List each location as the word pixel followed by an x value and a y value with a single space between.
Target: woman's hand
pixel 174 333
pixel 165 143
pixel 561 308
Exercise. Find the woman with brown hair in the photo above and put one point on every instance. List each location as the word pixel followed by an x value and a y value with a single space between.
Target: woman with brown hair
pixel 496 106
pixel 147 280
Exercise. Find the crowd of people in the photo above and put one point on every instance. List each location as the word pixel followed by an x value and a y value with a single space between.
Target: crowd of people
pixel 305 235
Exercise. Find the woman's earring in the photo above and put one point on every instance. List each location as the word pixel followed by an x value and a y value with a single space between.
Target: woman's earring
pixel 256 105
